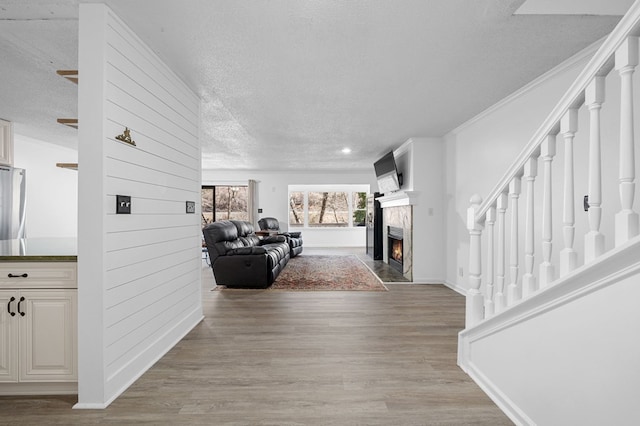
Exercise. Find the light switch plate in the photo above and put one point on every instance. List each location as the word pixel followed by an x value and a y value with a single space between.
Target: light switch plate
pixel 123 204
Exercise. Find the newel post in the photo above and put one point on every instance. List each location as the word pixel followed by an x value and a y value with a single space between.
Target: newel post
pixel 475 302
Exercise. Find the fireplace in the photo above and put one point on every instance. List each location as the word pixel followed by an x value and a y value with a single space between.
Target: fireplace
pixel 395 248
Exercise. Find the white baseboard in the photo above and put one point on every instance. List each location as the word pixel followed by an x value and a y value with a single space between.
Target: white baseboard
pixel 89 406
pixel 455 287
pixel 508 407
pixel 427 280
pixel 145 360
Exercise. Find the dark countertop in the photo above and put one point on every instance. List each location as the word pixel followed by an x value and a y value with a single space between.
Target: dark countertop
pixel 39 250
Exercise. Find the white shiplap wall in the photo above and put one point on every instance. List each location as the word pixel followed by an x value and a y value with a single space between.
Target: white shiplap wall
pixel 139 274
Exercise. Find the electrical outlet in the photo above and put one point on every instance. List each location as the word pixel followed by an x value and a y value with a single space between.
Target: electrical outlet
pixel 123 204
pixel 191 207
pixel 461 272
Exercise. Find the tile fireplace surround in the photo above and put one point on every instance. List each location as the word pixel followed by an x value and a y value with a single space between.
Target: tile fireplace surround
pixel 400 217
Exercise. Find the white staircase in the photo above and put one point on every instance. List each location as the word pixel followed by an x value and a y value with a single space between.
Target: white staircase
pixel 553 324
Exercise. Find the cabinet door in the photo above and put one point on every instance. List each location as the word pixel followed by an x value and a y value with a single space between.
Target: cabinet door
pixel 48 344
pixel 6 143
pixel 8 336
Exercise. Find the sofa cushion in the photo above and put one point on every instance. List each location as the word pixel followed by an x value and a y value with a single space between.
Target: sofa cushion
pixel 274 239
pixel 295 242
pixel 223 230
pixel 246 250
pixel 279 249
pixel 221 237
pixel 250 240
pixel 244 228
pixel 269 223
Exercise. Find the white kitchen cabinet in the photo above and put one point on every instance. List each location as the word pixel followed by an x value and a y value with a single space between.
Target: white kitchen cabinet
pixel 8 338
pixel 38 328
pixel 6 143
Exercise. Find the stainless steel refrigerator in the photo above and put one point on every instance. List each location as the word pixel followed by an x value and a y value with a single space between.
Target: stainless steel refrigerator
pixel 12 203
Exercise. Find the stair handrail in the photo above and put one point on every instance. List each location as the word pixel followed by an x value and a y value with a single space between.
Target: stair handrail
pixel 600 64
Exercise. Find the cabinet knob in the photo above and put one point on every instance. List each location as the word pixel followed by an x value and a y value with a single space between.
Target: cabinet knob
pixel 13 314
pixel 18 276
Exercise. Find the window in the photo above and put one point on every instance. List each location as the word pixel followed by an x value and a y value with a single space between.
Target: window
pixel 327 205
pixel 359 208
pixel 328 209
pixel 221 202
pixel 296 208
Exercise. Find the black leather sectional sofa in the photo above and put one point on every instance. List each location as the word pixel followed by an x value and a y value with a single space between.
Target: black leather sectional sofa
pixel 240 259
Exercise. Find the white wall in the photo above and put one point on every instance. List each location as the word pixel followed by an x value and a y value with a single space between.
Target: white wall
pixel 570 354
pixel 139 289
pixel 420 160
pixel 273 198
pixel 52 192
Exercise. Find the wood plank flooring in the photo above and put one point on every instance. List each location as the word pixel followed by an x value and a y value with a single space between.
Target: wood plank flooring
pixel 299 358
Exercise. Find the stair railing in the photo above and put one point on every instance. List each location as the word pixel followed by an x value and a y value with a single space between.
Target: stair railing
pixel 619 51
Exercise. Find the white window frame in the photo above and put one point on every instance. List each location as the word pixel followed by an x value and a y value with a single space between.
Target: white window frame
pixel 350 189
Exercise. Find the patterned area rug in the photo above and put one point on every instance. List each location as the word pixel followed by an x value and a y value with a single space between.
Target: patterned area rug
pixel 314 273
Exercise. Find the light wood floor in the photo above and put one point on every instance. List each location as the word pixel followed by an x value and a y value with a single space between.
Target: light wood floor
pixel 299 358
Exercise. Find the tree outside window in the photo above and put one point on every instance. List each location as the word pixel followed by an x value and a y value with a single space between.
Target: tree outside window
pixel 221 202
pixel 296 208
pixel 331 206
pixel 359 208
pixel 207 205
pixel 328 209
pixel 231 203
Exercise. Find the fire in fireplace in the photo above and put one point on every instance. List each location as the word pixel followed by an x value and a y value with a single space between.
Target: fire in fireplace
pixel 395 251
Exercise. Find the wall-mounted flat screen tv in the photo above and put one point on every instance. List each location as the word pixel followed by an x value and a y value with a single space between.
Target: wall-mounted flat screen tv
pixel 387 174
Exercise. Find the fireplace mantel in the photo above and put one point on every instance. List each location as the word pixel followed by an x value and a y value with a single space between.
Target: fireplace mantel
pixel 399 198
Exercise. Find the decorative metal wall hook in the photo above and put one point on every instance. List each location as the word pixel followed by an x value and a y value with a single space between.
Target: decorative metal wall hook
pixel 126 137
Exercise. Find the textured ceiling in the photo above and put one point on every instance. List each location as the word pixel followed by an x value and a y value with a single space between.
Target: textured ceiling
pixel 573 7
pixel 286 84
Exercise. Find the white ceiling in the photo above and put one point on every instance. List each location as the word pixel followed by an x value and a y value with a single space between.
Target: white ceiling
pixel 286 84
pixel 573 7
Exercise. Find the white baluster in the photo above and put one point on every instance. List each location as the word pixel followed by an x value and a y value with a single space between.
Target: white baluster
pixel 594 239
pixel 514 292
pixel 474 308
pixel 529 284
pixel 489 306
pixel 500 299
pixel 547 152
pixel 568 255
pixel 626 220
